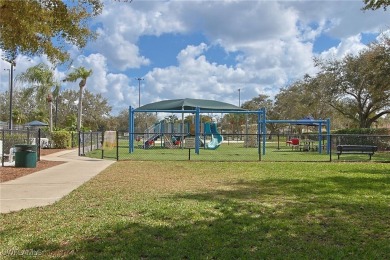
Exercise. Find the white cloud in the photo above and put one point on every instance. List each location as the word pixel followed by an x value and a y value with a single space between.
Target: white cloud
pixel 98 82
pixel 121 25
pixel 340 19
pixel 239 24
pixel 274 40
pixel 351 45
pixel 121 53
pixel 196 77
pixel 115 87
pixel 22 63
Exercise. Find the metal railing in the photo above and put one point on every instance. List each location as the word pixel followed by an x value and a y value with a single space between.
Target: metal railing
pixel 89 141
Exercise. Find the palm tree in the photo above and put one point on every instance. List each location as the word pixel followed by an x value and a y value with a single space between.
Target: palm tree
pixel 42 79
pixel 79 73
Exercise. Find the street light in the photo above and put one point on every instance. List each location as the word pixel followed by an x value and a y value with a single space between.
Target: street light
pixel 9 76
pixel 56 113
pixel 139 90
pixel 11 84
pixel 239 97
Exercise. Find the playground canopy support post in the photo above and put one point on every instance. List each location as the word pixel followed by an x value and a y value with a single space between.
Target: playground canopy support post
pixel 197 130
pixel 131 129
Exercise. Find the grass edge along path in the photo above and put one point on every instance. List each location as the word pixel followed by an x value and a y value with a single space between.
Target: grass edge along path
pixel 200 210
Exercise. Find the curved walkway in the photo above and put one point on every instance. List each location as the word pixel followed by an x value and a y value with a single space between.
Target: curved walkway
pixel 50 185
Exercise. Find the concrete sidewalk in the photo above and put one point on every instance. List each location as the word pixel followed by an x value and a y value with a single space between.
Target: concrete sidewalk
pixel 50 185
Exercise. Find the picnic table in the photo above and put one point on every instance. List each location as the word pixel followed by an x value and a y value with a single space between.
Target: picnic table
pixel 308 145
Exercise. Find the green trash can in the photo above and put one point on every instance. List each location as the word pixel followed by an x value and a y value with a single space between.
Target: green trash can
pixel 25 156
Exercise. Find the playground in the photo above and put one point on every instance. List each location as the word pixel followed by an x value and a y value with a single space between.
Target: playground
pixel 209 141
pixel 207 135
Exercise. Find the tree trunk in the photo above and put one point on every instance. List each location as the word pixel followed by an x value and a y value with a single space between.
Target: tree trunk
pixel 365 123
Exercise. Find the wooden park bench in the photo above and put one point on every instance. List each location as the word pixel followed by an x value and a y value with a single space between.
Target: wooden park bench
pixel 356 149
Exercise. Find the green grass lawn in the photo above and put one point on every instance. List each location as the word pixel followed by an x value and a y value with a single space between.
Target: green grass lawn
pixel 234 151
pixel 214 210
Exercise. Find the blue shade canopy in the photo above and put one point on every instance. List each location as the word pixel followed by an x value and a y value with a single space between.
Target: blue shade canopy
pixel 190 104
pixel 36 123
pixel 306 121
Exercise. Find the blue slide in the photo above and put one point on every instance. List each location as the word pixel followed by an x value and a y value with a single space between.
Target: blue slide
pixel 216 138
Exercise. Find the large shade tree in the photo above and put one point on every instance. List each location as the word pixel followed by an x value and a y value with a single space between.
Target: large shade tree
pixel 290 101
pixel 142 121
pixel 360 85
pixel 308 97
pixel 96 109
pixel 35 27
pixel 376 4
pixel 83 74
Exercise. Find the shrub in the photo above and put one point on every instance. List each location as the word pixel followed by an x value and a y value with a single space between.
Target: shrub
pixel 363 131
pixel 364 136
pixel 61 139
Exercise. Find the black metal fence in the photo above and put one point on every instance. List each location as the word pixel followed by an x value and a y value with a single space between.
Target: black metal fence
pixel 244 147
pixel 36 136
pixel 10 138
pixel 233 147
pixel 89 141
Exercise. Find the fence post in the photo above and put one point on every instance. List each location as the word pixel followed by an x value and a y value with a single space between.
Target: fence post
pixel 330 148
pixel 83 143
pixel 2 148
pixel 259 145
pixel 38 144
pixel 117 145
pixel 97 140
pixel 102 145
pixel 91 137
pixel 79 141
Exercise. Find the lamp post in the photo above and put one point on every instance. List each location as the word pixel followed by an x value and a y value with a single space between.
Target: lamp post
pixel 9 77
pixel 11 84
pixel 239 97
pixel 56 113
pixel 139 90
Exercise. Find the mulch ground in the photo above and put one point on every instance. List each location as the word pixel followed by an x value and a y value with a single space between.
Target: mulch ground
pixel 11 173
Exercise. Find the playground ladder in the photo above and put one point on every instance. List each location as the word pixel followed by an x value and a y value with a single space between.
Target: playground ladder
pixel 168 142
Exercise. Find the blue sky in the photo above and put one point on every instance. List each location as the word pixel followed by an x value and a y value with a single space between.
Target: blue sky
pixel 210 49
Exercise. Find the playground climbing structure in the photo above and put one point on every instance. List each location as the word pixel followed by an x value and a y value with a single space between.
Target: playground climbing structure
pixel 167 134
